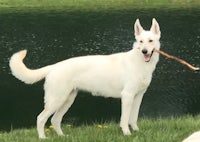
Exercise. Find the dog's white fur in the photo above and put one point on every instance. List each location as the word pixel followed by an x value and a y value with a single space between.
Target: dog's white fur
pixel 195 137
pixel 123 75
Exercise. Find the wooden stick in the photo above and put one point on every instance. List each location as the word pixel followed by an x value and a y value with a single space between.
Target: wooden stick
pixel 178 60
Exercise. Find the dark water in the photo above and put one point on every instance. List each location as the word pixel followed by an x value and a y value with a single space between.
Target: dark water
pixel 57 35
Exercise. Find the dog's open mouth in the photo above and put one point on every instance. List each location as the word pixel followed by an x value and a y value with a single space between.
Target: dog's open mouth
pixel 147 57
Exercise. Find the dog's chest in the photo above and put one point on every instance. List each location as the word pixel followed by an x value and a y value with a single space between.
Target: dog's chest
pixel 144 82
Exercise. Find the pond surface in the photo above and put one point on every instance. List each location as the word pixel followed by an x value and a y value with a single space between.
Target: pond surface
pixel 58 35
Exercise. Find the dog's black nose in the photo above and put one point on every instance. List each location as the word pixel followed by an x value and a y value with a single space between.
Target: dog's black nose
pixel 144 51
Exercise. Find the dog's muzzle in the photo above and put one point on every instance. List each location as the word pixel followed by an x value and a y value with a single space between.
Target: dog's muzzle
pixel 147 57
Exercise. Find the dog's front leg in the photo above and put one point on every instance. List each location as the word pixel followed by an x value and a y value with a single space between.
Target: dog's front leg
pixel 135 111
pixel 126 104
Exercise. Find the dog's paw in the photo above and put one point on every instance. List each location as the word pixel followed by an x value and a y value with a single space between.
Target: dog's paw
pixel 126 131
pixel 134 127
pixel 43 137
pixel 61 135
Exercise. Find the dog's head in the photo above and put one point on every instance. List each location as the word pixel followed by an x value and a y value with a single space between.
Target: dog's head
pixel 147 41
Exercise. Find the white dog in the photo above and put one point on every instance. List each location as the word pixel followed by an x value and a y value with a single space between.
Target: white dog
pixel 123 75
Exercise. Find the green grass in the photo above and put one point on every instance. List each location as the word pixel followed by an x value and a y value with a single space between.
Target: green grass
pixel 97 4
pixel 151 130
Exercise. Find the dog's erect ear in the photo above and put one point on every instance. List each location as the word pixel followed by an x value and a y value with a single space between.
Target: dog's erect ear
pixel 138 28
pixel 155 27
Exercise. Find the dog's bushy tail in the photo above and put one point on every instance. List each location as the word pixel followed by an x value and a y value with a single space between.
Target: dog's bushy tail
pixel 21 72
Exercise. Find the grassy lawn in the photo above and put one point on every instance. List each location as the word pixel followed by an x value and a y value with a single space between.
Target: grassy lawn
pixel 98 4
pixel 151 130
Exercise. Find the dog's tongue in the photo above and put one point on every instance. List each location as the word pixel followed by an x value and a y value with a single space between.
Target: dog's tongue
pixel 147 57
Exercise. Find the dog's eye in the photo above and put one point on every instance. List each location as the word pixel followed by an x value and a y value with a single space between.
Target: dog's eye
pixel 141 41
pixel 150 40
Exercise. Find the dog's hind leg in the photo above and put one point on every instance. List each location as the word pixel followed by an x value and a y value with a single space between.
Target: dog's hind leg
pixel 42 119
pixel 55 97
pixel 57 117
